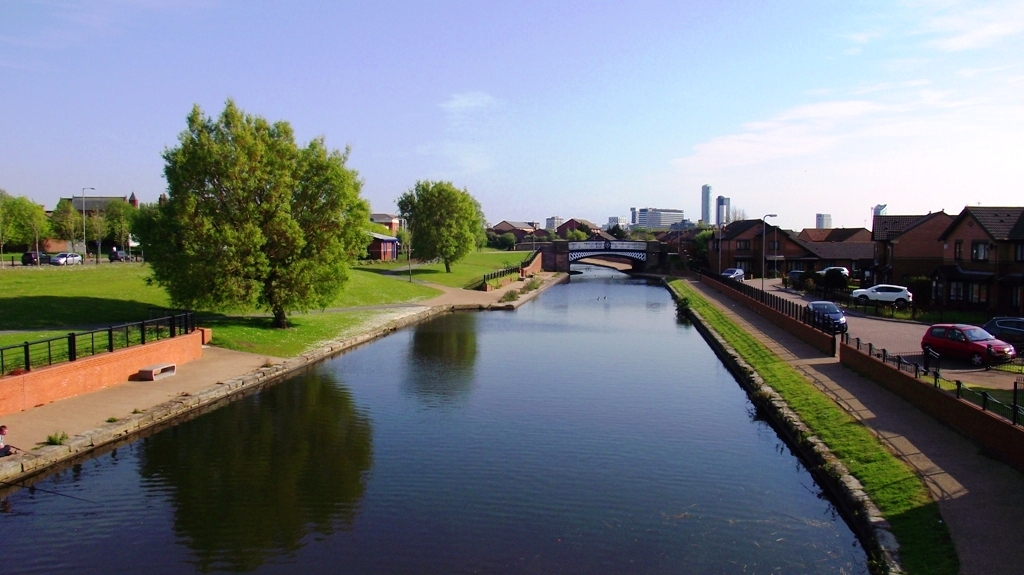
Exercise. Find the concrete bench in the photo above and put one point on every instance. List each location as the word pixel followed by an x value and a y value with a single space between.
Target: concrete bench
pixel 157 371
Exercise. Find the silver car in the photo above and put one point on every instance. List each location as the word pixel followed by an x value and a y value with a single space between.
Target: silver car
pixel 66 259
pixel 899 296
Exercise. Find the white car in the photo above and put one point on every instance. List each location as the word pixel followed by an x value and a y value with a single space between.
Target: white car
pixel 66 259
pixel 841 269
pixel 885 293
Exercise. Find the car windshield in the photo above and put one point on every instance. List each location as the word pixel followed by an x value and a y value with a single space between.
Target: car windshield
pixel 825 307
pixel 977 334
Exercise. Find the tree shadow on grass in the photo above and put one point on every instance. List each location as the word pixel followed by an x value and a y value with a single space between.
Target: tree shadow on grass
pixel 56 312
pixel 398 272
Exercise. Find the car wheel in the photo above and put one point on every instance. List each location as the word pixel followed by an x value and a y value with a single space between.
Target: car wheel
pixel 977 360
pixel 863 299
pixel 901 303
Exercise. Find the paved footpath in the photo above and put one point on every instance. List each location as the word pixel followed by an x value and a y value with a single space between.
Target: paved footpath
pixel 981 499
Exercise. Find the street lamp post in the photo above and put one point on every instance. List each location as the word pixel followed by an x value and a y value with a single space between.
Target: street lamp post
pixel 719 247
pixel 85 244
pixel 764 237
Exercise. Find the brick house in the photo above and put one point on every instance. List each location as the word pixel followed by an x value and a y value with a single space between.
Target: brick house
pixel 834 235
pixel 390 221
pixel 517 229
pixel 907 246
pixel 575 223
pixel 382 248
pixel 740 247
pixel 983 261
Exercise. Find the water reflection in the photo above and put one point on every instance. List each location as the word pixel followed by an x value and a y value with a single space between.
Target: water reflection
pixel 297 467
pixel 442 364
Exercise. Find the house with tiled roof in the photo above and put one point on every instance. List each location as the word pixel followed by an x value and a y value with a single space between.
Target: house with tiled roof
pixel 834 235
pixel 906 246
pixel 518 229
pixel 983 260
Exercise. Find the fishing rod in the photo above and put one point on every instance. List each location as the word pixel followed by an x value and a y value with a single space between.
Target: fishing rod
pixel 33 487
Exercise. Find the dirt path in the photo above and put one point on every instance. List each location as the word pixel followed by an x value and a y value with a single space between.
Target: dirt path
pixel 981 499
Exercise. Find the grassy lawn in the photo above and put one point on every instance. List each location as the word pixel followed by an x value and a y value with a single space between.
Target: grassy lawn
pixel 51 301
pixel 470 269
pixel 925 546
pixel 255 334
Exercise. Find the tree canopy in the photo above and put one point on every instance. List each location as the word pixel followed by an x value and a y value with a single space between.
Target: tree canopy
pixel 251 219
pixel 445 221
pixel 7 230
pixel 66 221
pixel 118 219
pixel 30 223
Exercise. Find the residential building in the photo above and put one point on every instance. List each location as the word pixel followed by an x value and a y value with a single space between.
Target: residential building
pixel 835 235
pixel 518 229
pixel 576 223
pixel 743 243
pixel 906 246
pixel 98 204
pixel 722 211
pixel 982 261
pixel 553 222
pixel 392 222
pixel 705 204
pixel 823 221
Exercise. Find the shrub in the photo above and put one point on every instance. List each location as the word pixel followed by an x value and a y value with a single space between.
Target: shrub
pixel 834 280
pixel 510 295
pixel 58 438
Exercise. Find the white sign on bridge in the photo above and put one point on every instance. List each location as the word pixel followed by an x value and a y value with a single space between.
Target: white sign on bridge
pixel 575 246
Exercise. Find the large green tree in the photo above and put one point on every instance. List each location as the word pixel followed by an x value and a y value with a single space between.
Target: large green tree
pixel 251 219
pixel 118 216
pixel 444 220
pixel 66 222
pixel 7 229
pixel 30 222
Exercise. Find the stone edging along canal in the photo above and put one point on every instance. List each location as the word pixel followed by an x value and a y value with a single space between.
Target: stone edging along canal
pixel 864 517
pixel 22 466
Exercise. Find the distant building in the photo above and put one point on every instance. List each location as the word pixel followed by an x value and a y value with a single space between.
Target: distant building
pixel 721 211
pixel 519 229
pixel 705 204
pixel 879 210
pixel 655 218
pixel 383 248
pixel 553 223
pixel 576 223
pixel 98 204
pixel 823 221
pixel 621 221
pixel 389 221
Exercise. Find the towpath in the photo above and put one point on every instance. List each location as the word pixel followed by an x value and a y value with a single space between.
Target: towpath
pixel 981 498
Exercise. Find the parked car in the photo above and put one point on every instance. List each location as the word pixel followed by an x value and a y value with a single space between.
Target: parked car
pixel 827 316
pixel 66 259
pixel 1008 329
pixel 968 342
pixel 734 273
pixel 885 293
pixel 34 259
pixel 841 269
pixel 119 256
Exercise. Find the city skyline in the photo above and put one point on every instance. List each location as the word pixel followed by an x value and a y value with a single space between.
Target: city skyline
pixel 916 105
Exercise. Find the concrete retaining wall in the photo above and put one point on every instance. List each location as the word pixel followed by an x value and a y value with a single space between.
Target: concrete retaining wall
pixel 819 340
pixel 993 433
pixel 46 384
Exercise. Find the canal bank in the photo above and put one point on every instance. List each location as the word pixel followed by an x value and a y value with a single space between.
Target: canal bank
pixel 134 407
pixel 861 513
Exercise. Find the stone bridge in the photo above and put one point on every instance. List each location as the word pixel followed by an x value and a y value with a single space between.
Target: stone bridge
pixel 645 256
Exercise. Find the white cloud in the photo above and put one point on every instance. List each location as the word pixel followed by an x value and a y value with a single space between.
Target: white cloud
pixel 966 26
pixel 469 101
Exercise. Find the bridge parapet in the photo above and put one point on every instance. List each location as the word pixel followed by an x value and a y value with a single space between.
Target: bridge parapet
pixel 646 256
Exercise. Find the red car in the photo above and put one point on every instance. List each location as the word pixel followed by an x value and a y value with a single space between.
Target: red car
pixel 967 342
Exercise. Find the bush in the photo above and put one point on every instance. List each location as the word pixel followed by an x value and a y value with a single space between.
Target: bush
pixel 58 438
pixel 510 295
pixel 507 241
pixel 834 280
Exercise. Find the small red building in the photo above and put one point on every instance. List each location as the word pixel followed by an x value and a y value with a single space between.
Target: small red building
pixel 382 248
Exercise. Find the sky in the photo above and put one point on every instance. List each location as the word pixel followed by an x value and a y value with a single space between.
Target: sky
pixel 575 109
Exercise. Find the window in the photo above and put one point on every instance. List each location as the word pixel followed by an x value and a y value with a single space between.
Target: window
pixel 744 265
pixel 956 291
pixel 979 251
pixel 978 293
pixel 742 244
pixel 774 245
pixel 1018 253
pixel 939 332
pixel 1015 297
pixel 958 250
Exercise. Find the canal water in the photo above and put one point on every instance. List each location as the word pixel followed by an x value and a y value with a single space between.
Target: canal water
pixel 591 431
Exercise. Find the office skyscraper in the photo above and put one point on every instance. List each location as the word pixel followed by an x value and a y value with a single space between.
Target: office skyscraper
pixel 721 211
pixel 705 204
pixel 823 221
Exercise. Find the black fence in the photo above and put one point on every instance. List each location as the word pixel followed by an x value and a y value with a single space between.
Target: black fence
pixel 505 271
pixel 26 356
pixel 927 366
pixel 790 308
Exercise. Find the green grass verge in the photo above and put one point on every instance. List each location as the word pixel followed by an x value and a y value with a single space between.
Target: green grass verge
pixel 255 334
pixel 365 287
pixel 464 272
pixel 925 545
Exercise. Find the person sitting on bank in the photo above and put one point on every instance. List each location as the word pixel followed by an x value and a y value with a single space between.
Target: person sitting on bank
pixel 5 449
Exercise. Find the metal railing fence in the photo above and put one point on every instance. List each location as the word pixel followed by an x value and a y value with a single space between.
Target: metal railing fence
pixel 73 346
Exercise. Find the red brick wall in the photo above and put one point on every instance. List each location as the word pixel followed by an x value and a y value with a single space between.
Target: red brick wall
pixel 533 267
pixel 993 433
pixel 44 385
pixel 817 339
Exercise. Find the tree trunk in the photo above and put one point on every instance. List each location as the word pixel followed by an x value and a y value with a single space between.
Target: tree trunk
pixel 280 319
pixel 447 267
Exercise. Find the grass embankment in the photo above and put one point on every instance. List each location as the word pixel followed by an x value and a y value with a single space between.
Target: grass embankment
pixel 51 301
pixel 464 272
pixel 925 545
